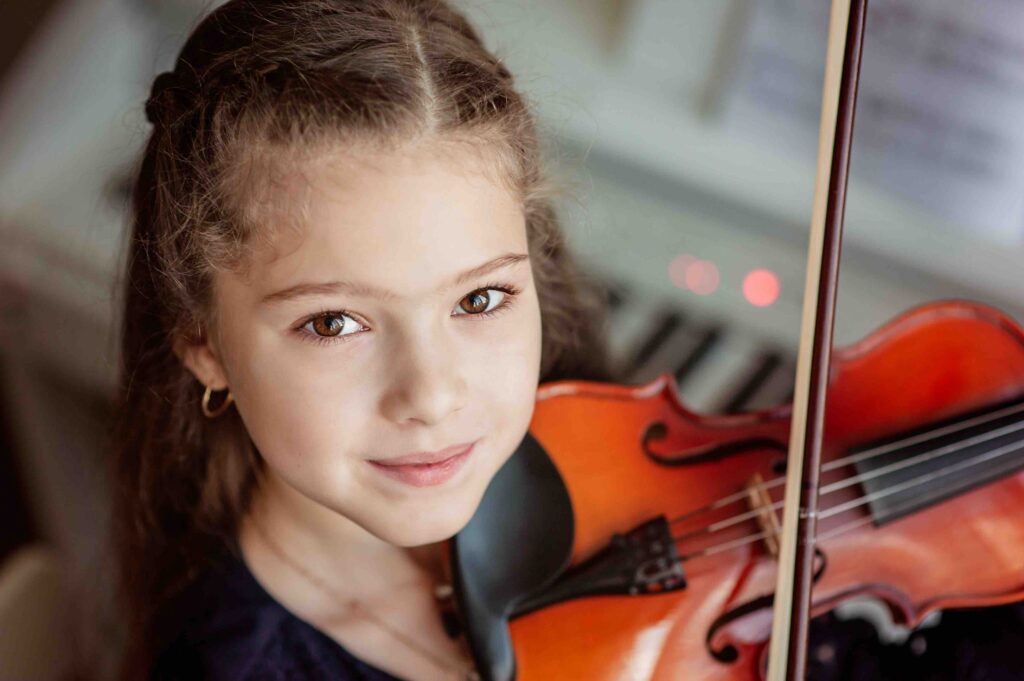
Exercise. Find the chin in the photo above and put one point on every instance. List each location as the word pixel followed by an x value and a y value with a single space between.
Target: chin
pixel 429 527
pixel 428 521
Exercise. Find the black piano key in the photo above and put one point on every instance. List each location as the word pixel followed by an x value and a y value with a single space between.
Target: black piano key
pixel 763 368
pixel 663 327
pixel 710 337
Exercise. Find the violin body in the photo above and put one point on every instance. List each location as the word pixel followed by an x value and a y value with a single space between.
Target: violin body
pixel 942 528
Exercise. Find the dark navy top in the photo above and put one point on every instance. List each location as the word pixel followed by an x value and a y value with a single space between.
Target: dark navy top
pixel 229 628
pixel 226 626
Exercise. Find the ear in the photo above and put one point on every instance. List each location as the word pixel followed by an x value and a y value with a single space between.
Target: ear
pixel 203 360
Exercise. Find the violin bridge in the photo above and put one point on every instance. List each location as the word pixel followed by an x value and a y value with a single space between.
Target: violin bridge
pixel 767 520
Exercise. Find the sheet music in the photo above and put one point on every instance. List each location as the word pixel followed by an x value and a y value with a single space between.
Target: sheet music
pixel 939 109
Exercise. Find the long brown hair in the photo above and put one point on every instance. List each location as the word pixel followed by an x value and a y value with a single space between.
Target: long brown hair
pixel 256 82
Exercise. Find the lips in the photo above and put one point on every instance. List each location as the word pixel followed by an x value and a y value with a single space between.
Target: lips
pixel 432 468
pixel 424 458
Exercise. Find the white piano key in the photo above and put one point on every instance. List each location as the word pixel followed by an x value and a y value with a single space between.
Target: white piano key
pixel 723 370
pixel 776 389
pixel 668 356
pixel 629 325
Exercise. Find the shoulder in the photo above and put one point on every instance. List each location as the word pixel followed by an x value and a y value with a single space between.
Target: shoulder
pixel 226 627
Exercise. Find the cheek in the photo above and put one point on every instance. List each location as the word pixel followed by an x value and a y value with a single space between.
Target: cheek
pixel 298 408
pixel 507 369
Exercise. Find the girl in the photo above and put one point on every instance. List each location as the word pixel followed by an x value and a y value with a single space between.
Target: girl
pixel 345 281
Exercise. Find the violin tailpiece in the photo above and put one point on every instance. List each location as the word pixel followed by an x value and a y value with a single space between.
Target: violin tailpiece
pixel 644 560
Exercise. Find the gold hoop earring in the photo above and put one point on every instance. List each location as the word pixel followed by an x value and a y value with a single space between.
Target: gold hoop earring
pixel 219 410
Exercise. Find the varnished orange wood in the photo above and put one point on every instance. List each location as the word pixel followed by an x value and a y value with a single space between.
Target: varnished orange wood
pixel 935 361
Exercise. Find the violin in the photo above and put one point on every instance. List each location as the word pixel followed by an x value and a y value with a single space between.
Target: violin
pixel 630 538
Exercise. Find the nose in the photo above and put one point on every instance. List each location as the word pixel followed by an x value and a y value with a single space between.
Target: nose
pixel 426 383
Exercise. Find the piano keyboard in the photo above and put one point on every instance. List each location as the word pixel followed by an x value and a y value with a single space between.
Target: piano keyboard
pixel 718 369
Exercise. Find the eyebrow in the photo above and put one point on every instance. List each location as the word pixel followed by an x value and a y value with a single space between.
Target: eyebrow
pixel 366 290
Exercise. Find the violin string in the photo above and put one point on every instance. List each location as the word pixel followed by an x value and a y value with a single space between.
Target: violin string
pixel 725 546
pixel 928 455
pixel 854 479
pixel 896 508
pixel 860 501
pixel 861 456
pixel 838 530
pixel 924 479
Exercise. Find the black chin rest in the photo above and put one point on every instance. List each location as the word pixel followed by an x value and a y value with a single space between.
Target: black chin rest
pixel 518 541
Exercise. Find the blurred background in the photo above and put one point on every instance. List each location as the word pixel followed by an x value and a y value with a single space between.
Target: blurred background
pixel 688 131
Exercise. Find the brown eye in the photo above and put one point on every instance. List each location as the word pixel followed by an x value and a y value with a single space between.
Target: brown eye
pixel 480 301
pixel 332 325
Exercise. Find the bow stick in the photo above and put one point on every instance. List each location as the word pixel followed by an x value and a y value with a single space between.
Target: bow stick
pixel 787 657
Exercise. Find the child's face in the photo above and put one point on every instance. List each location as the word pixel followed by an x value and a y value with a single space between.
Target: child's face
pixel 429 368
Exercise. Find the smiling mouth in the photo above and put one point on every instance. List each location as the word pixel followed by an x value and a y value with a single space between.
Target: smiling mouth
pixel 425 458
pixel 427 474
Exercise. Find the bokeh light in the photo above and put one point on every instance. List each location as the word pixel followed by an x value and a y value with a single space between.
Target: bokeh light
pixel 677 269
pixel 761 287
pixel 702 277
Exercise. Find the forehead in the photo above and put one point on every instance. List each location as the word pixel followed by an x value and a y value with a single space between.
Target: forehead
pixel 405 220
